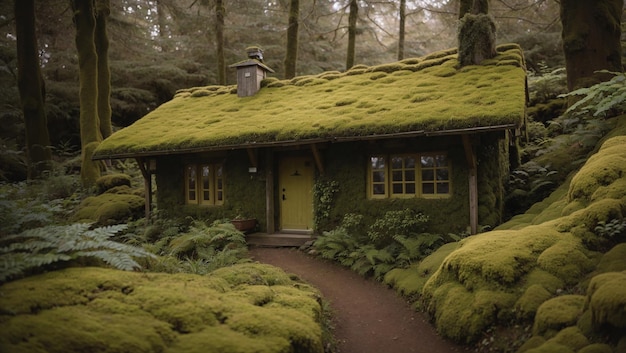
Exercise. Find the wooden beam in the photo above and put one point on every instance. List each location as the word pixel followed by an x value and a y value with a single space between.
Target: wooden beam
pixel 253 157
pixel 269 191
pixel 147 183
pixel 470 156
pixel 318 158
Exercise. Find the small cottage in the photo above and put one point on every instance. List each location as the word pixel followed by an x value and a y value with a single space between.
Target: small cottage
pixel 296 155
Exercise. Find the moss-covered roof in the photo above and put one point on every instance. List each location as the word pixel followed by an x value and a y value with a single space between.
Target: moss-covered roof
pixel 414 96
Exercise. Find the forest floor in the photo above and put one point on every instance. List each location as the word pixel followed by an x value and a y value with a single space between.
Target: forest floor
pixel 367 316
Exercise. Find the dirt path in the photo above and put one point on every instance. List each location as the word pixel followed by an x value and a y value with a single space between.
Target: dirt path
pixel 369 318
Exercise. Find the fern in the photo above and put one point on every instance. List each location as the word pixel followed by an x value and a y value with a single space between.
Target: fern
pixel 37 249
pixel 601 98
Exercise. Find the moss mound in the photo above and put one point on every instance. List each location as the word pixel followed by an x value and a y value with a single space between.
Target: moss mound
pixel 110 181
pixel 102 310
pixel 523 268
pixel 110 208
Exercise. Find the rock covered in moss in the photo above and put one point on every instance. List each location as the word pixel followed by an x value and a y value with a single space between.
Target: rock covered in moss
pixel 103 310
pixel 527 305
pixel 606 298
pixel 107 208
pixel 109 181
pixel 558 313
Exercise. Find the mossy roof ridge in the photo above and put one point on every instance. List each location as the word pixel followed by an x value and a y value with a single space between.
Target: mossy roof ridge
pixel 418 95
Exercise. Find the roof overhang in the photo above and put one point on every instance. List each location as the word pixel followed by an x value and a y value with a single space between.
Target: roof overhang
pixel 300 142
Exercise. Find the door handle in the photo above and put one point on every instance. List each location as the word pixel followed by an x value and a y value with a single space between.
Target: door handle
pixel 284 198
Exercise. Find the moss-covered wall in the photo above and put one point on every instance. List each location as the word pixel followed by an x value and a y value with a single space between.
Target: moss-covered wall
pixel 244 192
pixel 346 164
pixel 493 172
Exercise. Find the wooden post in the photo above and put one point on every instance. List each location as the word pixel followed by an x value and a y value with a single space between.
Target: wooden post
pixel 470 156
pixel 318 158
pixel 147 182
pixel 269 191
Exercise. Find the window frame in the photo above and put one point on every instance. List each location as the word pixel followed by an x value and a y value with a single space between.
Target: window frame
pixel 207 188
pixel 388 176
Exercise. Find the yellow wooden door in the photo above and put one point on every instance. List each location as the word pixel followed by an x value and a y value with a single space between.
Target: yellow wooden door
pixel 296 193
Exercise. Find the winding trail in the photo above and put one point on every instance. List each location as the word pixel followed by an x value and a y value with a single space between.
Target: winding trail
pixel 368 317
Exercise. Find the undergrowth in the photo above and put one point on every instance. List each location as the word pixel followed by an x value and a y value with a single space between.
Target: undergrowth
pixel 40 249
pixel 395 240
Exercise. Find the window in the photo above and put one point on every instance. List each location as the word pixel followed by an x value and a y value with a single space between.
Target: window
pixel 409 175
pixel 204 184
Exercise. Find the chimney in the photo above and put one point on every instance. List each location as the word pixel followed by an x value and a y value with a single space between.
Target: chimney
pixel 251 72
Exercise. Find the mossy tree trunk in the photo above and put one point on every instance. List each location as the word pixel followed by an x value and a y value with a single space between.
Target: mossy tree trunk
pixel 473 6
pixel 32 90
pixel 220 11
pixel 401 29
pixel 90 135
pixel 352 19
pixel 477 32
pixel 104 73
pixel 591 40
pixel 291 56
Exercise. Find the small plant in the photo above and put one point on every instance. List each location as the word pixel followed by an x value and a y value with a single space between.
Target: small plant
pixel 604 99
pixel 611 230
pixel 204 248
pixel 38 249
pixel 404 222
pixel 323 193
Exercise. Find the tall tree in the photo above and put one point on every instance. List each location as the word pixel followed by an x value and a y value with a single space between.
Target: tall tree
pixel 291 56
pixel 90 135
pixel 32 90
pixel 103 10
pixel 591 40
pixel 220 12
pixel 352 19
pixel 401 34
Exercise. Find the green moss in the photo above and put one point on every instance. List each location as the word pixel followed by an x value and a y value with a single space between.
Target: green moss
pixel 558 313
pixel 186 116
pixel 467 314
pixel 566 260
pixel 498 258
pixel 570 337
pixel 545 279
pixel 606 298
pixel 253 274
pixel 596 348
pixel 601 169
pixel 410 281
pixel 109 181
pixel 551 347
pixel 109 208
pixel 614 260
pixel 533 342
pixel 102 310
pixel 223 339
pixel 527 305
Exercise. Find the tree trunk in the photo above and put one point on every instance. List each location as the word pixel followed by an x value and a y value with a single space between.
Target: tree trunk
pixel 163 35
pixel 104 72
pixel 591 40
pixel 401 30
pixel 90 135
pixel 352 18
pixel 291 57
pixel 474 7
pixel 32 90
pixel 219 41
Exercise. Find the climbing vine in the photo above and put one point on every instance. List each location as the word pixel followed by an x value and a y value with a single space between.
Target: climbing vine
pixel 324 193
